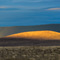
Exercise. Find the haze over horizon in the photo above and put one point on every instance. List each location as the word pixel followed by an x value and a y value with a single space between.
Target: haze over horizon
pixel 29 12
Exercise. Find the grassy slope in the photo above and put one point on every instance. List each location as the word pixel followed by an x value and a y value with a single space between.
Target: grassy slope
pixel 38 35
pixel 30 53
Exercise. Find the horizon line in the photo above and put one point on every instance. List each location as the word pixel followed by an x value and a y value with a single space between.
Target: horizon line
pixel 29 25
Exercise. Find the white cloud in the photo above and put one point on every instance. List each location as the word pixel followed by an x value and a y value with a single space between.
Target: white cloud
pixel 3 7
pixel 53 9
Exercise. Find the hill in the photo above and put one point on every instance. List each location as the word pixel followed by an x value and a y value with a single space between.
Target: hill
pixel 4 31
pixel 38 35
pixel 32 38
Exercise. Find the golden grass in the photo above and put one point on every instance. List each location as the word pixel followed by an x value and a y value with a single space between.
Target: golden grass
pixel 42 35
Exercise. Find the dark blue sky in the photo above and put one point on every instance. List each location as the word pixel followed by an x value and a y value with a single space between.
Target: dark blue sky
pixel 29 12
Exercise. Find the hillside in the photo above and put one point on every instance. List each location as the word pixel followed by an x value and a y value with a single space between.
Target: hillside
pixel 39 35
pixel 4 31
pixel 39 38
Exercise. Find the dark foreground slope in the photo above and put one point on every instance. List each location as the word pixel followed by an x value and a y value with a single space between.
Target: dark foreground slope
pixel 4 31
pixel 27 42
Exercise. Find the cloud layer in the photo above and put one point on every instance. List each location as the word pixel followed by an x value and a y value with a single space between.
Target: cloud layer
pixel 29 5
pixel 29 12
pixel 54 9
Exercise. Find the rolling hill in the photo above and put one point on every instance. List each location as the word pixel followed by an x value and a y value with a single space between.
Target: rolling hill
pixel 4 31
pixel 37 35
pixel 40 38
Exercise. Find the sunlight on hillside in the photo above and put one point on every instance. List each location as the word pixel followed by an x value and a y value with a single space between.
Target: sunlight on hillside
pixel 46 35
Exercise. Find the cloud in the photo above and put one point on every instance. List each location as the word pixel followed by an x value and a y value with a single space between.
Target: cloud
pixel 53 9
pixel 8 8
pixel 3 7
pixel 19 8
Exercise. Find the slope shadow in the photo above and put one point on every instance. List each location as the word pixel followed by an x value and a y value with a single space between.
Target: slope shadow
pixel 27 42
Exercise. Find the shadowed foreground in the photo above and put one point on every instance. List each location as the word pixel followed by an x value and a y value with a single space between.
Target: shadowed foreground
pixel 27 42
pixel 30 53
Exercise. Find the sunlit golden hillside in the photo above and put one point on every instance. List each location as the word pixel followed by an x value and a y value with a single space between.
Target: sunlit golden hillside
pixel 41 35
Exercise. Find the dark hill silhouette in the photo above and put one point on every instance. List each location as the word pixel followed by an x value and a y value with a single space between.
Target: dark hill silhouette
pixel 4 31
pixel 27 42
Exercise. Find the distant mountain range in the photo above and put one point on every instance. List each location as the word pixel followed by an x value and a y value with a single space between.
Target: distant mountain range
pixel 4 31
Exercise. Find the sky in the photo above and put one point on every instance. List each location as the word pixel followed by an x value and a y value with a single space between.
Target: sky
pixel 29 12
